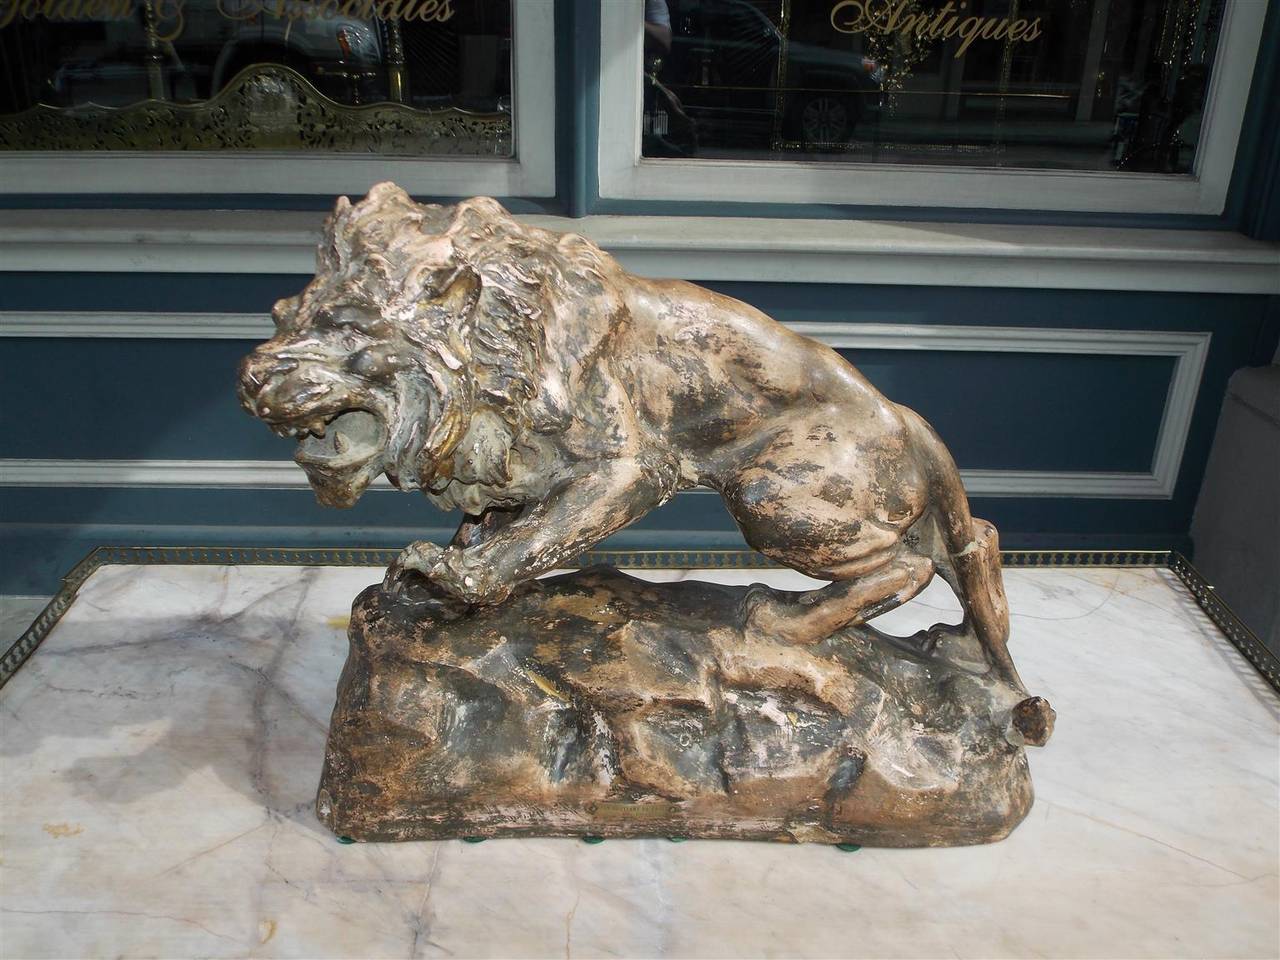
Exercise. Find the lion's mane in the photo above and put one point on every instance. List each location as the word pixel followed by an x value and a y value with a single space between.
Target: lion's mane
pixel 401 256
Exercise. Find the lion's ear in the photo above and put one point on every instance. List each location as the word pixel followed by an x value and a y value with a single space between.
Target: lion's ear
pixel 284 312
pixel 387 191
pixel 330 252
pixel 481 206
pixel 462 289
pixel 479 214
pixel 441 321
pixel 383 209
pixel 454 293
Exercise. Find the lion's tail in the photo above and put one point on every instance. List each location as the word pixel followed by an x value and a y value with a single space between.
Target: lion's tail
pixel 966 551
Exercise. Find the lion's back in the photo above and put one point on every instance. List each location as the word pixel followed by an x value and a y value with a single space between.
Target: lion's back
pixel 685 320
pixel 709 370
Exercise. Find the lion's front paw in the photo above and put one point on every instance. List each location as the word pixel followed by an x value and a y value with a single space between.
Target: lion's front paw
pixel 419 557
pixel 473 583
pixel 414 579
pixel 416 562
pixel 452 572
pixel 423 556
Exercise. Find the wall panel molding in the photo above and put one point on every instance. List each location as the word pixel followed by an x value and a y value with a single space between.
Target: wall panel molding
pixel 285 475
pixel 695 248
pixel 1188 351
pixel 160 326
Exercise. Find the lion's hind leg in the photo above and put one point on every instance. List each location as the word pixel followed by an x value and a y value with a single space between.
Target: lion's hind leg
pixel 980 641
pixel 975 575
pixel 875 585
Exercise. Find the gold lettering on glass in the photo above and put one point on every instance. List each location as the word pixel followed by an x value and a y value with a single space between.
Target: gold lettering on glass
pixel 889 17
pixel 170 18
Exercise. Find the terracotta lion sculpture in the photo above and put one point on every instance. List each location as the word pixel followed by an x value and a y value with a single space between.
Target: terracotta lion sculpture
pixel 526 379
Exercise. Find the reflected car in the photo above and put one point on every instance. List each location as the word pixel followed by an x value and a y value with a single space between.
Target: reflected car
pixel 343 57
pixel 742 83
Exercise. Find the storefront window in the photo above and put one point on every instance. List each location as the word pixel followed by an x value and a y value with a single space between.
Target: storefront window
pixel 1078 85
pixel 388 77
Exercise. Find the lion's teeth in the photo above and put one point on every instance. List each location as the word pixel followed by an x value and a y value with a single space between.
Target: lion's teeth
pixel 339 443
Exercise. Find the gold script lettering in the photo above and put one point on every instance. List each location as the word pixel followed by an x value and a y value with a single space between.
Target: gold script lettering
pixel 170 16
pixel 968 33
pixel 169 20
pixel 893 16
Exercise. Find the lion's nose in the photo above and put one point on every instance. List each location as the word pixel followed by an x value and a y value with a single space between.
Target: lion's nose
pixel 260 371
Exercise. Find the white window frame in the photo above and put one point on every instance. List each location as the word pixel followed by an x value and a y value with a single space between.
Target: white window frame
pixel 625 174
pixel 531 173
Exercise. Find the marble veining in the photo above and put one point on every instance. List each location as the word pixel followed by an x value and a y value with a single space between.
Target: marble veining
pixel 159 757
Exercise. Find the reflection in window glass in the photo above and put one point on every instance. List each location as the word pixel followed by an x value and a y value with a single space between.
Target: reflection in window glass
pixel 397 77
pixel 1036 84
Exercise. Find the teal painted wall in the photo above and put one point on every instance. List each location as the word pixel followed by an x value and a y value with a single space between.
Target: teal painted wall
pixel 101 398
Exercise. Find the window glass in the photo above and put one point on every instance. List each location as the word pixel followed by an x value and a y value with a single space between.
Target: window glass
pixel 392 77
pixel 1108 85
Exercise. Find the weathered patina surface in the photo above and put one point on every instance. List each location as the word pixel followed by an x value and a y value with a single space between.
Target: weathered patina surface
pixel 598 704
pixel 525 378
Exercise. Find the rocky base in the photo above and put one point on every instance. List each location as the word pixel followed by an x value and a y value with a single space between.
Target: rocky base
pixel 597 704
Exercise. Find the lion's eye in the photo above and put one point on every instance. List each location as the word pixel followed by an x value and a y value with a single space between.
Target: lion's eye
pixel 370 363
pixel 352 319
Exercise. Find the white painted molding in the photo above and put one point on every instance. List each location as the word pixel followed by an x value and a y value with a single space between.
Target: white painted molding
pixel 148 326
pixel 199 474
pixel 284 475
pixel 530 174
pixel 1187 349
pixel 624 174
pixel 694 248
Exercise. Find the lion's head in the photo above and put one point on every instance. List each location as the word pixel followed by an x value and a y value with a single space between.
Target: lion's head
pixel 420 320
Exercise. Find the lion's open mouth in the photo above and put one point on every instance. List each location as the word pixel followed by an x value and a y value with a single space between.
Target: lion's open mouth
pixel 343 441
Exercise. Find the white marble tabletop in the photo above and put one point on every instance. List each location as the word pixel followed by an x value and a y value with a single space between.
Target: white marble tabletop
pixel 159 756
